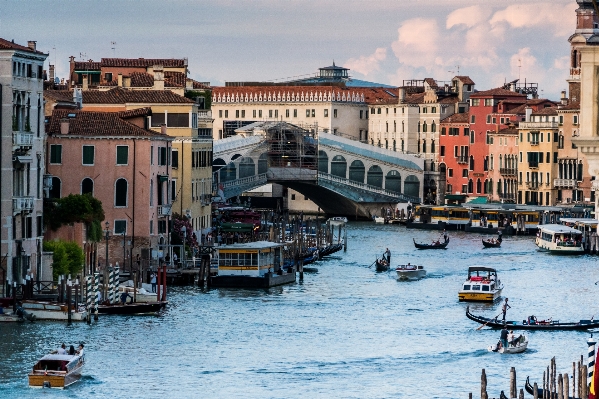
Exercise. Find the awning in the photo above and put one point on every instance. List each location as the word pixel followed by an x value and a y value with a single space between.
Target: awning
pixel 89 72
pixel 162 178
pixel 238 227
pixel 478 200
pixel 455 196
pixel 24 158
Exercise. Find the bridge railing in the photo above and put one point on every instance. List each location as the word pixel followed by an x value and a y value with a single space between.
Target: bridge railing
pixel 366 187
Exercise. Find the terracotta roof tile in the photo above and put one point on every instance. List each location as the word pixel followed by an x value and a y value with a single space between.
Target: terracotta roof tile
pixel 465 80
pixel 87 66
pixel 59 95
pixel 146 111
pixel 496 92
pixel 457 118
pixel 570 107
pixel 10 45
pixel 84 123
pixel 143 62
pixel 512 130
pixel 546 111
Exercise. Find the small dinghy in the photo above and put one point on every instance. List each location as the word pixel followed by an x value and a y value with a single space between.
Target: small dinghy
pixel 518 345
pixel 410 272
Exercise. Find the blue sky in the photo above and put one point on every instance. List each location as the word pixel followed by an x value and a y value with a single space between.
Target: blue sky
pixel 384 41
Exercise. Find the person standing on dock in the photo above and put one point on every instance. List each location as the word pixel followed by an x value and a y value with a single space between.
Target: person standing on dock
pixel 153 281
pixel 504 309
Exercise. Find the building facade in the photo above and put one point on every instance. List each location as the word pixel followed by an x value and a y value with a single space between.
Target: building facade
pixel 454 152
pixel 503 158
pixel 22 162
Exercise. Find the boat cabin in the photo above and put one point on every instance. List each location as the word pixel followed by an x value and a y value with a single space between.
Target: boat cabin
pixel 559 238
pixel 253 259
pixel 56 363
pixel 481 279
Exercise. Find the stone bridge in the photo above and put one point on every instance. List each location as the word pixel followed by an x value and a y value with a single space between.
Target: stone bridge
pixel 350 178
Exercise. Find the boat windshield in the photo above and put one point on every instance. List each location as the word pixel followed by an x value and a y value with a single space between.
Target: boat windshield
pixel 466 287
pixel 476 288
pixel 485 288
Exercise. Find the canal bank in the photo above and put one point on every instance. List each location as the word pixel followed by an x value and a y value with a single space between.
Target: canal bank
pixel 344 332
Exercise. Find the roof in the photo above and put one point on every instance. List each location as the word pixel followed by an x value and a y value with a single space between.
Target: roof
pixel 457 118
pixel 575 106
pixel 59 95
pixel 118 95
pixel 465 80
pixel 88 123
pixel 11 45
pixel 558 228
pixel 546 111
pixel 130 62
pixel 481 269
pixel 496 92
pixel 145 111
pixel 250 245
pixel 507 130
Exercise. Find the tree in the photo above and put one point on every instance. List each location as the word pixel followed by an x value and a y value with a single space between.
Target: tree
pixel 75 208
pixel 177 235
pixel 67 257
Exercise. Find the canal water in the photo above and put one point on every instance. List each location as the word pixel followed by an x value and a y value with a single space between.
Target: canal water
pixel 344 332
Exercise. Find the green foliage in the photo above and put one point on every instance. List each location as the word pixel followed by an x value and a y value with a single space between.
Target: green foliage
pixel 67 257
pixel 193 94
pixel 75 208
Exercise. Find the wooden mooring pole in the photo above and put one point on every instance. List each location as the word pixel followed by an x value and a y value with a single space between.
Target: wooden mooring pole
pixel 483 385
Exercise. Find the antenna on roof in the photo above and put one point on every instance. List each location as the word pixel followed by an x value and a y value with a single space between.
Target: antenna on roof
pixel 519 67
pixel 113 44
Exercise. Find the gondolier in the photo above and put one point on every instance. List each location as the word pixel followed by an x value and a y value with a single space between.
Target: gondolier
pixel 504 309
pixel 387 255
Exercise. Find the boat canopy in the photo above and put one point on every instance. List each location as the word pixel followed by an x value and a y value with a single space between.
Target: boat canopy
pixel 474 269
pixel 64 358
pixel 558 229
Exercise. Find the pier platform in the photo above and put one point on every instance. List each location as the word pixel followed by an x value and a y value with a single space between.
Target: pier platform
pixel 266 281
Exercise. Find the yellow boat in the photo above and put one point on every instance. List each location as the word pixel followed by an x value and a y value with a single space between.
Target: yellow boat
pixel 482 285
pixel 56 371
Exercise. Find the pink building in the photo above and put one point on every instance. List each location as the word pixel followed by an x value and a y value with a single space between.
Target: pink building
pixel 113 157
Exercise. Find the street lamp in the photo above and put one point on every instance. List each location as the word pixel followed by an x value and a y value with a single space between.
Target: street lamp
pixel 184 230
pixel 106 233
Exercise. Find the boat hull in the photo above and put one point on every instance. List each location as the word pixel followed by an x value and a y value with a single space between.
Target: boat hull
pixel 410 275
pixel 431 246
pixel 515 325
pixel 132 308
pixel 39 378
pixel 469 296
pixel 381 267
pixel 51 311
pixel 487 244
pixel 510 349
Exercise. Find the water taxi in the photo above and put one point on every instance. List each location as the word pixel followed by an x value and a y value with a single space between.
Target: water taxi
pixel 410 272
pixel 56 371
pixel 559 239
pixel 482 285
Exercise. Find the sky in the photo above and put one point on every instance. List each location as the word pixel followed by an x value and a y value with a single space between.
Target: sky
pixel 385 41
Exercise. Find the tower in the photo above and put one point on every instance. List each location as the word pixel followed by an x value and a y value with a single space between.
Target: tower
pixel 586 34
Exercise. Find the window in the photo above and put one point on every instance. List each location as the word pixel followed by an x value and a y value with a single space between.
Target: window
pixel 88 155
pixel 236 113
pixel 313 113
pixel 424 110
pixel 450 173
pixel 259 113
pixel 475 102
pixel 292 197
pixel 162 156
pixel 307 113
pixel 488 102
pixel 158 119
pixel 120 226
pixel 561 119
pixel 87 186
pixel 295 113
pixel 270 113
pixel 175 159
pixel 361 114
pixel 276 113
pixel 120 193
pixel 254 113
pixel 378 111
pixel 335 113
pixel 122 155
pixel 575 119
pixel 434 110
pixel 326 113
pixel 387 111
pixel 442 150
pixel 464 172
pixel 471 137
pixel 286 113
pixel 226 113
pixel 108 76
pixel 55 153
pixel 488 117
pixel 472 119
pixel 443 131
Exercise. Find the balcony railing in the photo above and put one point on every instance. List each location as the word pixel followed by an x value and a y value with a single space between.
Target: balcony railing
pixel 22 139
pixel 462 159
pixel 164 210
pixel 22 204
pixel 536 142
pixel 565 183
pixel 533 185
pixel 507 196
pixel 508 171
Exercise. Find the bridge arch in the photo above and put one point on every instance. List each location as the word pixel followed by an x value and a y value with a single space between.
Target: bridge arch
pixel 263 163
pixel 234 157
pixel 357 171
pixel 375 176
pixel 228 172
pixel 339 166
pixel 247 167
pixel 393 181
pixel 218 163
pixel 323 162
pixel 412 186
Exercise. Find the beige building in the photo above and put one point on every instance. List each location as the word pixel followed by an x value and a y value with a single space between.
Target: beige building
pixel 22 162
pixel 503 164
pixel 537 163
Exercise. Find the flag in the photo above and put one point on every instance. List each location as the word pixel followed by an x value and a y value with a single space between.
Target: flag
pixel 594 389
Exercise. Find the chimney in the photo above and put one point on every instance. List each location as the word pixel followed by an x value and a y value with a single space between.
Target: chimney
pixel 188 84
pixel 64 126
pixel 158 77
pixel 78 97
pixel 564 99
pixel 163 128
pixel 528 113
pixel 402 95
pixel 185 62
pixel 513 86
pixel 120 80
pixel 31 44
pixel 51 68
pixel 85 84
pixel 126 81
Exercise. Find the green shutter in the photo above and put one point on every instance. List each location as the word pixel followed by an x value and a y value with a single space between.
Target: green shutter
pixel 56 153
pixel 122 155
pixel 88 154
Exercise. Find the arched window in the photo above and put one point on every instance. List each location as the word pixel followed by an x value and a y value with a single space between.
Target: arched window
pixel 418 127
pixel 357 171
pixel 423 145
pixel 393 181
pixel 339 166
pixel 323 162
pixel 470 187
pixel 56 187
pixel 386 126
pixel 87 186
pixel 433 146
pixel 471 162
pixel 375 176
pixel 120 193
pixel 247 167
pixel 424 127
pixel 433 127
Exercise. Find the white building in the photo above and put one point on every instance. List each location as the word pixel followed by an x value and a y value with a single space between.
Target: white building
pixel 22 160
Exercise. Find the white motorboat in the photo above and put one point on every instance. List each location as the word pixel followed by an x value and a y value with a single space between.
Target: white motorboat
pixel 518 345
pixel 410 272
pixel 143 293
pixel 379 219
pixel 338 219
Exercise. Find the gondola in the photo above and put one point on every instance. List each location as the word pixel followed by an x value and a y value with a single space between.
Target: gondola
pixel 442 245
pixel 542 325
pixel 132 308
pixel 531 390
pixel 381 266
pixel 488 244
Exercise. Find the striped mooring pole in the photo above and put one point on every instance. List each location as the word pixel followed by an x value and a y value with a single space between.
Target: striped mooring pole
pixel 110 291
pixel 591 342
pixel 116 281
pixel 95 293
pixel 88 291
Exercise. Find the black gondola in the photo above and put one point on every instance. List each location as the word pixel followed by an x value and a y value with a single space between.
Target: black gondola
pixel 488 244
pixel 542 325
pixel 381 265
pixel 431 246
pixel 531 390
pixel 132 308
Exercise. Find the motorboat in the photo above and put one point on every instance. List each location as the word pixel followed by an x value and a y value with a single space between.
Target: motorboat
pixel 338 219
pixel 56 371
pixel 379 219
pixel 531 323
pixel 132 308
pixel 140 294
pixel 559 239
pixel 410 272
pixel 518 345
pixel 482 285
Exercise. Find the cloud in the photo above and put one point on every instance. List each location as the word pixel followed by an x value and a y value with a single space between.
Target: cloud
pixel 545 15
pixel 367 63
pixel 562 63
pixel 467 16
pixel 417 42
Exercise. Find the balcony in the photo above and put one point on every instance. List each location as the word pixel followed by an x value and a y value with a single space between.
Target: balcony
pixel 534 142
pixel 22 140
pixel 462 159
pixel 533 185
pixel 508 171
pixel 565 183
pixel 22 204
pixel 164 210
pixel 507 196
